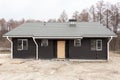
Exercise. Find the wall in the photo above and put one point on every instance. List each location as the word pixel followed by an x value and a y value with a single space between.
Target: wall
pixel 30 53
pixel 49 51
pixel 84 51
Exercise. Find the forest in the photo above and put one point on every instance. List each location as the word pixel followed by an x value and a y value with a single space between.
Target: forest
pixel 107 14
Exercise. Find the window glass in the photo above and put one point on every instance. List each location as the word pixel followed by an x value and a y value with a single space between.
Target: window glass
pixel 19 46
pixel 22 44
pixel 96 45
pixel 77 42
pixel 25 44
pixel 93 44
pixel 44 42
pixel 99 45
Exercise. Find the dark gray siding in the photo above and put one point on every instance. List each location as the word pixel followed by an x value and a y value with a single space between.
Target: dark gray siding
pixel 84 51
pixel 30 53
pixel 72 52
pixel 47 52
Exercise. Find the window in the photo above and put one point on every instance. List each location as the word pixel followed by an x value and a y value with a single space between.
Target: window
pixel 19 47
pixel 22 44
pixel 44 42
pixel 93 44
pixel 77 42
pixel 96 45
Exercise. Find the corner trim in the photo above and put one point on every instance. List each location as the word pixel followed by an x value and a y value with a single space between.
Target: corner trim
pixel 11 46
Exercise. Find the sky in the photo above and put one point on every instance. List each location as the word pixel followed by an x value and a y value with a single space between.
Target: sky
pixel 43 9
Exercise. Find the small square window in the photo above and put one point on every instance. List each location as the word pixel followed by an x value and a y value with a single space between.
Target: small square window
pixel 44 42
pixel 77 42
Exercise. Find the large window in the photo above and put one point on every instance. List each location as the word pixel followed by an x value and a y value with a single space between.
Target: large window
pixel 44 42
pixel 96 45
pixel 22 44
pixel 77 42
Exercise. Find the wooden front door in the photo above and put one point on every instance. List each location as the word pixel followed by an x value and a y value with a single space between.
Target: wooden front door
pixel 60 49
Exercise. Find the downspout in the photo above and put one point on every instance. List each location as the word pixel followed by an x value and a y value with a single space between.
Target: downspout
pixel 36 47
pixel 108 50
pixel 11 46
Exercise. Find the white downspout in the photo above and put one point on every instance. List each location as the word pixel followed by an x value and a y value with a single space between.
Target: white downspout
pixel 11 47
pixel 36 48
pixel 108 50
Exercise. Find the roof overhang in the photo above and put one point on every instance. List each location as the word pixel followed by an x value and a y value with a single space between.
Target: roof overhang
pixel 57 37
pixel 17 36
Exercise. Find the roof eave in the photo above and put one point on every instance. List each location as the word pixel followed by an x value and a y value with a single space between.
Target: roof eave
pixel 57 37
pixel 17 36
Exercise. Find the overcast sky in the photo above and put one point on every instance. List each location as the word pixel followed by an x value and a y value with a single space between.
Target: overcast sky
pixel 42 9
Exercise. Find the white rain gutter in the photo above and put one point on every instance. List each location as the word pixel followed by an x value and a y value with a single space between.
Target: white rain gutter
pixel 55 37
pixel 36 47
pixel 11 46
pixel 108 50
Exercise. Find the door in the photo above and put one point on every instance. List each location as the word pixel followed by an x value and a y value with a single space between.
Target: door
pixel 60 49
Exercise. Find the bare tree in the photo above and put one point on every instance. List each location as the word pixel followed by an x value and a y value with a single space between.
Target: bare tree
pixel 92 11
pixel 3 24
pixel 84 15
pixel 76 15
pixel 52 20
pixel 115 17
pixel 63 17
pixel 100 5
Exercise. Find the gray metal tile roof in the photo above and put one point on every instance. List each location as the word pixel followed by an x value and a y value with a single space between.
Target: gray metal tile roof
pixel 60 30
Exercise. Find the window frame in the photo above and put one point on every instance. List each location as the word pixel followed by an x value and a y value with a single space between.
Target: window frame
pixel 77 43
pixel 22 46
pixel 95 44
pixel 97 48
pixel 45 42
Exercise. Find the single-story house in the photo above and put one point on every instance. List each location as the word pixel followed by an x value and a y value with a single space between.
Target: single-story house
pixel 69 40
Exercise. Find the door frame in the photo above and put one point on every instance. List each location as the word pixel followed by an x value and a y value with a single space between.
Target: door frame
pixel 59 48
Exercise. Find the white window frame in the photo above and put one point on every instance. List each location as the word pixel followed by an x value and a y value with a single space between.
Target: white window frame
pixel 46 40
pixel 79 43
pixel 23 45
pixel 97 47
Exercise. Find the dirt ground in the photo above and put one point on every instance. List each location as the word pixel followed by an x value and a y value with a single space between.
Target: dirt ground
pixel 30 69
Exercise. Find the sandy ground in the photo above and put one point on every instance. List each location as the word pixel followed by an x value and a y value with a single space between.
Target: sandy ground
pixel 30 69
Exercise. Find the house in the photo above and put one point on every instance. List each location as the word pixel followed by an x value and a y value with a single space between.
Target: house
pixel 70 40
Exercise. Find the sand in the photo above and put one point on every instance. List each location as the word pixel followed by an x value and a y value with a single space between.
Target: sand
pixel 31 69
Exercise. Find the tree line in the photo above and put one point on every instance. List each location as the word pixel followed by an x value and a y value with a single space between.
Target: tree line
pixel 107 14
